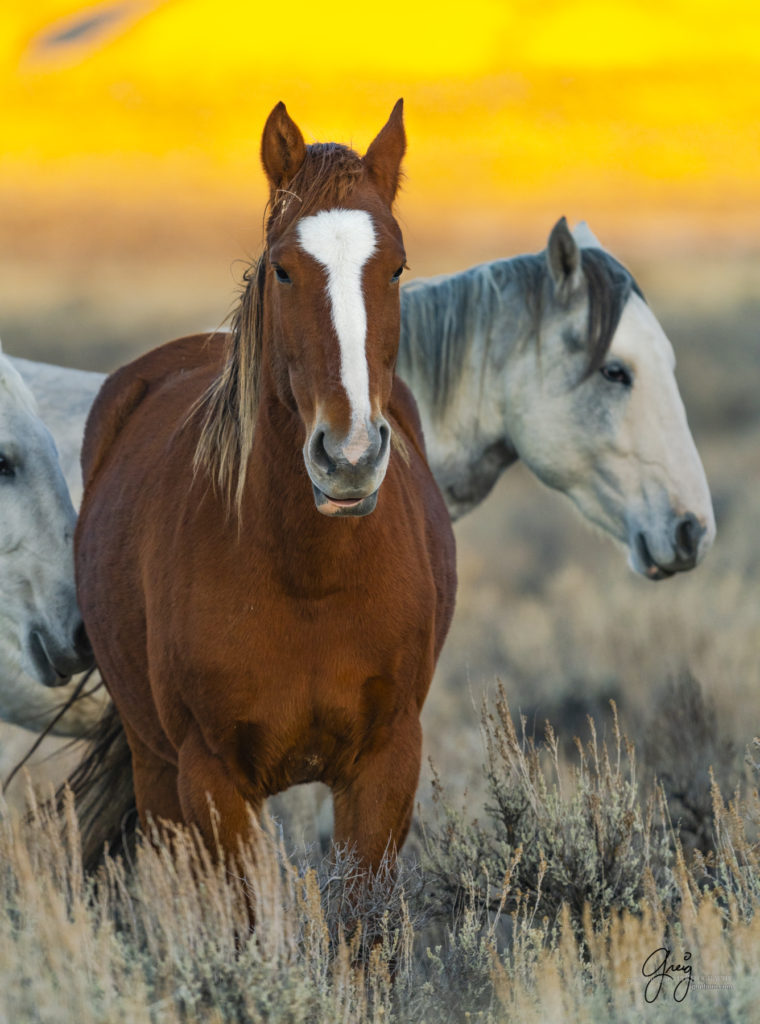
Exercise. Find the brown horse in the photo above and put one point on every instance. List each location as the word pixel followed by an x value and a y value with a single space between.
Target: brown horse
pixel 250 643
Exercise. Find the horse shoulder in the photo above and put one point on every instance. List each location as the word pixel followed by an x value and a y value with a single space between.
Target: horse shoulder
pixel 115 402
pixel 126 388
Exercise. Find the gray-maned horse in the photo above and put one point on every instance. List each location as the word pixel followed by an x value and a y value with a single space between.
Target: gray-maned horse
pixel 553 358
pixel 42 638
pixel 556 359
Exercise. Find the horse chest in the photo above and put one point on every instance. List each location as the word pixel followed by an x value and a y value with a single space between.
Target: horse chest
pixel 313 655
pixel 307 608
pixel 321 745
pixel 311 691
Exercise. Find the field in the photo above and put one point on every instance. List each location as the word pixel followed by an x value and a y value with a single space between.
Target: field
pixel 538 878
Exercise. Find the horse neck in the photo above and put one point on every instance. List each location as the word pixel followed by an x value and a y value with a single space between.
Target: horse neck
pixel 459 336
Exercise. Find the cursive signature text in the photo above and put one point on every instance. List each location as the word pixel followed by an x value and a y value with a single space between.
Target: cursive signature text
pixel 659 969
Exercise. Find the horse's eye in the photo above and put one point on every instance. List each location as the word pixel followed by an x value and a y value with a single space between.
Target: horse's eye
pixel 282 274
pixel 616 373
pixel 6 467
pixel 397 275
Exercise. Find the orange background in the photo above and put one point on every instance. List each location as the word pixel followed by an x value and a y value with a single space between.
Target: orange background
pixel 643 115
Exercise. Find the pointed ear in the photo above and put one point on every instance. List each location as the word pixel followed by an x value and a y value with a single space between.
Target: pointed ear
pixel 383 158
pixel 585 237
pixel 282 148
pixel 564 259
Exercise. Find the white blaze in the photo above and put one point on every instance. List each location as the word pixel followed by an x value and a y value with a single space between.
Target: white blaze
pixel 342 241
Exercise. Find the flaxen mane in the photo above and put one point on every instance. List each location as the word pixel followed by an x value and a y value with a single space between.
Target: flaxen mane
pixel 230 404
pixel 229 407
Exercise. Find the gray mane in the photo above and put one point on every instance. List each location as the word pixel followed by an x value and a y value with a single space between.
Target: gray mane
pixel 444 318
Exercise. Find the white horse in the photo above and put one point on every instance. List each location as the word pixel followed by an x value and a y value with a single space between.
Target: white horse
pixel 556 359
pixel 42 638
pixel 553 358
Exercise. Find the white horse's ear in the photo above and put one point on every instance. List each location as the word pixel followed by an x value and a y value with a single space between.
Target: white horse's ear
pixel 564 259
pixel 585 237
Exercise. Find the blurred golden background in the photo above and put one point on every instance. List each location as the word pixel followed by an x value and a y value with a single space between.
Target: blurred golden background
pixel 626 108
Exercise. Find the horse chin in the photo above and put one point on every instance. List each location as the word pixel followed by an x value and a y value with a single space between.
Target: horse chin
pixel 338 507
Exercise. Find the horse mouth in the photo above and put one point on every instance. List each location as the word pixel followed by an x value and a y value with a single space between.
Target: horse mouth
pixel 652 570
pixel 48 674
pixel 330 506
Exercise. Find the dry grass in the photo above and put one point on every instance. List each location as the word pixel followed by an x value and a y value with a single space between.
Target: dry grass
pixel 547 909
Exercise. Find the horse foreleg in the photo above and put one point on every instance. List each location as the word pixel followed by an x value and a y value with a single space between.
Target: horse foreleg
pixel 155 782
pixel 373 811
pixel 205 782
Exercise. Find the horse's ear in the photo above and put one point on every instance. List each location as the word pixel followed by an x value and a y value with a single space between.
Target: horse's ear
pixel 384 156
pixel 564 259
pixel 282 148
pixel 585 237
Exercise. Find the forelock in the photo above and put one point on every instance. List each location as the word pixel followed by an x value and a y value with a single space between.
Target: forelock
pixel 609 286
pixel 328 175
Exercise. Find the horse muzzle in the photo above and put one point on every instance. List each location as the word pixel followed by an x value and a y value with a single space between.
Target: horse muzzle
pixel 660 554
pixel 346 473
pixel 56 661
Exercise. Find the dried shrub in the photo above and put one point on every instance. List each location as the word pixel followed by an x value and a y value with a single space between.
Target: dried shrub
pixel 578 838
pixel 546 911
pixel 681 743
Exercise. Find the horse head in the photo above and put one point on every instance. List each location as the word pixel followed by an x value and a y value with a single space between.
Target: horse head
pixel 43 635
pixel 602 419
pixel 334 256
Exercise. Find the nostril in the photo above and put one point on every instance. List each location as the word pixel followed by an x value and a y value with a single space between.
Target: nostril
pixel 81 640
pixel 687 537
pixel 318 452
pixel 385 438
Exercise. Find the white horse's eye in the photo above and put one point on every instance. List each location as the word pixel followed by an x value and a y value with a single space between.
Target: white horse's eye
pixel 6 467
pixel 616 373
